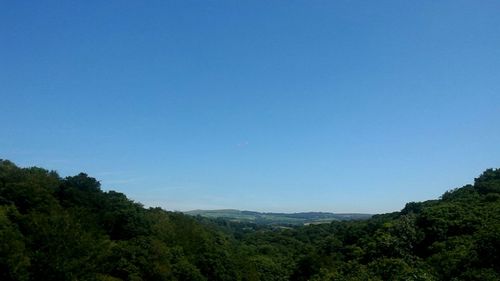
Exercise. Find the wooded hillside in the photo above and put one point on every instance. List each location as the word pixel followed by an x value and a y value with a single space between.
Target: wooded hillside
pixel 54 228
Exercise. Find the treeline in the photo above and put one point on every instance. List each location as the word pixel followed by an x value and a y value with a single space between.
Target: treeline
pixel 54 228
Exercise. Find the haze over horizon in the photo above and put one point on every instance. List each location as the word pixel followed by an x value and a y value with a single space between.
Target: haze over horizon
pixel 345 106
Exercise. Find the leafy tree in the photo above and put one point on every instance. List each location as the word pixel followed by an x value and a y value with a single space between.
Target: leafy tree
pixel 14 257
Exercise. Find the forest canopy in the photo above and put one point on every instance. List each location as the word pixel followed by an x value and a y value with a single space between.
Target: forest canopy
pixel 54 228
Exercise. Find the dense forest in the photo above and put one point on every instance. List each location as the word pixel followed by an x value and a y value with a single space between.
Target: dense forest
pixel 54 228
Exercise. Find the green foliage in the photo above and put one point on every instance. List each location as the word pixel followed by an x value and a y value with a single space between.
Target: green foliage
pixel 14 259
pixel 69 229
pixel 488 182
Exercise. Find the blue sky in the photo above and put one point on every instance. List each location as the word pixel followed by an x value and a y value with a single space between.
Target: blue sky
pixel 344 106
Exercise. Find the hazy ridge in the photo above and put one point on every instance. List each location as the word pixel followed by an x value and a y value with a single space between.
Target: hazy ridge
pixel 271 218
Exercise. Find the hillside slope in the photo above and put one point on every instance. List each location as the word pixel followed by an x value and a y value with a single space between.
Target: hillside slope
pixel 303 218
pixel 54 228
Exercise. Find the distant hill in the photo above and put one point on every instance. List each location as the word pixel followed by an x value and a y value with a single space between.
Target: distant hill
pixel 54 228
pixel 303 218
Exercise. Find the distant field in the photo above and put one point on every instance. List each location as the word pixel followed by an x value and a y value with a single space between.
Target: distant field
pixel 304 218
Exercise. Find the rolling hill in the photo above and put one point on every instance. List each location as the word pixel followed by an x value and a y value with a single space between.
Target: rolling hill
pixel 302 218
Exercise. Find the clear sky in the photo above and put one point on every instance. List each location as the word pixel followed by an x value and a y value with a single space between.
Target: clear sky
pixel 344 106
